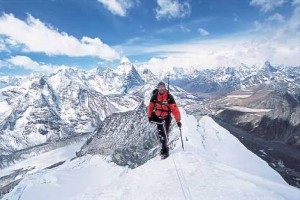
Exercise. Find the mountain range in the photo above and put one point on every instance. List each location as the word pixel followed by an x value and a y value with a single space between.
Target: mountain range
pixel 68 102
pixel 107 103
pixel 228 79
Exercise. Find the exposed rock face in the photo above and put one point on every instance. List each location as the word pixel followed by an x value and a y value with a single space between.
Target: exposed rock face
pixel 127 137
pixel 279 121
pixel 268 123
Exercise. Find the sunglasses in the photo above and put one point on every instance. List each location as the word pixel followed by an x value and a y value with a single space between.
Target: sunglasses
pixel 161 87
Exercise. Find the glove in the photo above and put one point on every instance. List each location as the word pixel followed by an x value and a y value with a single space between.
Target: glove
pixel 179 124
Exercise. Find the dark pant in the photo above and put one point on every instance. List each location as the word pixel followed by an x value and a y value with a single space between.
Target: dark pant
pixel 163 132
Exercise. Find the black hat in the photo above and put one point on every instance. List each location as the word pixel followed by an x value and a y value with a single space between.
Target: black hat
pixel 161 83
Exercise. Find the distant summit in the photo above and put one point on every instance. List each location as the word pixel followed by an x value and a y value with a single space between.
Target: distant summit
pixel 269 67
pixel 124 60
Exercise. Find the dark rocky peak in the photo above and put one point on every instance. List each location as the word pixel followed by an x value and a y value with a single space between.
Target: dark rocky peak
pixel 230 70
pixel 42 81
pixel 269 68
pixel 291 99
pixel 128 138
pixel 147 74
pixel 68 70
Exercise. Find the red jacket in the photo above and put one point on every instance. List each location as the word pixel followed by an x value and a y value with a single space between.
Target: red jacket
pixel 162 105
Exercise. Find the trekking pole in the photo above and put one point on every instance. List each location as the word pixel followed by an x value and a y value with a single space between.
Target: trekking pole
pixel 169 82
pixel 165 131
pixel 181 139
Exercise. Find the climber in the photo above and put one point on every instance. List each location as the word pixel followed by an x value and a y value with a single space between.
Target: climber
pixel 161 105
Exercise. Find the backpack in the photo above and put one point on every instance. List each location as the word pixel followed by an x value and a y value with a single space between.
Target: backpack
pixel 170 98
pixel 155 92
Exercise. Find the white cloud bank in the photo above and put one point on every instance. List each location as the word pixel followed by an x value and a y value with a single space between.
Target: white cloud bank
pixel 224 52
pixel 35 36
pixel 274 39
pixel 27 63
pixel 117 7
pixel 172 9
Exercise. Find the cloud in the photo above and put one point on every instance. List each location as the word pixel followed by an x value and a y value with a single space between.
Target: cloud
pixel 172 9
pixel 224 52
pixel 184 28
pixel 2 63
pixel 203 32
pixel 276 27
pixel 294 22
pixel 212 53
pixel 276 17
pixel 296 2
pixel 267 5
pixel 29 64
pixel 2 45
pixel 117 7
pixel 275 42
pixel 9 45
pixel 173 28
pixel 35 36
pixel 275 39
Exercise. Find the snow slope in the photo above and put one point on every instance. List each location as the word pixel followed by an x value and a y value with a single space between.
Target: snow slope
pixel 214 165
pixel 44 160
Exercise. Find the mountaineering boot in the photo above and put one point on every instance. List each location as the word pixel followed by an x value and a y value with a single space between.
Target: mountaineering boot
pixel 164 153
pixel 164 156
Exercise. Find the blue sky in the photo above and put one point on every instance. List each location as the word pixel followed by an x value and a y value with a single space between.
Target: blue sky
pixel 42 35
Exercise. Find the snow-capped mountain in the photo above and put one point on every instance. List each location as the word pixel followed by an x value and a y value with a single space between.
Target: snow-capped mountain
pixel 148 76
pixel 10 80
pixel 67 102
pixel 71 101
pixel 119 80
pixel 227 79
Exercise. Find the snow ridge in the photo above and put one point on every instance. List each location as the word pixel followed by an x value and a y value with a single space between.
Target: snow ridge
pixel 214 165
